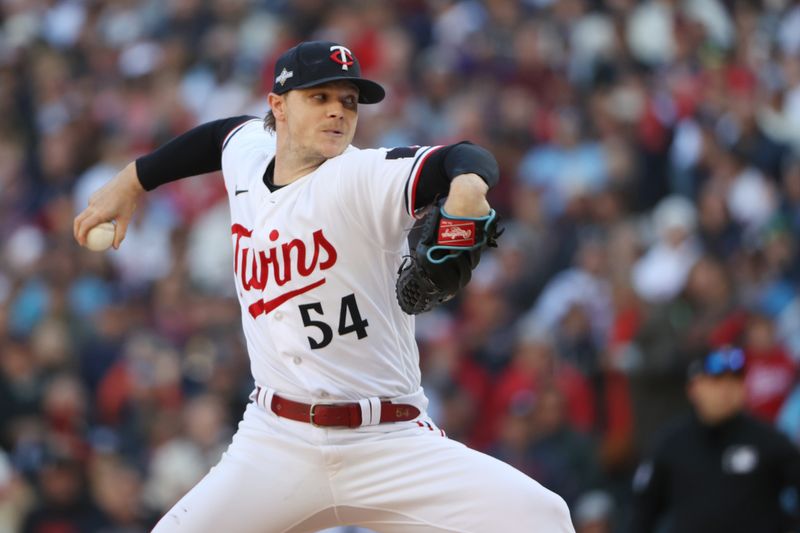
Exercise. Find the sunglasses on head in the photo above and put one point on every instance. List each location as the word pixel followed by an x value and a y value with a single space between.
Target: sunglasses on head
pixel 719 362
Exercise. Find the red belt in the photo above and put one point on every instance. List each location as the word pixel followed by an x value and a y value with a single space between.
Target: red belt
pixel 338 414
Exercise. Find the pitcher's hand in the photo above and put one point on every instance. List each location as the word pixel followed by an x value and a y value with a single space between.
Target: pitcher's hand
pixel 114 201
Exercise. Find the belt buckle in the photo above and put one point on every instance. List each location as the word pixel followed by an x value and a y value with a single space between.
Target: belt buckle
pixel 311 415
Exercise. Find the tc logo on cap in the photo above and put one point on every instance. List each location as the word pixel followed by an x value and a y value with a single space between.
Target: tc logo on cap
pixel 314 63
pixel 342 55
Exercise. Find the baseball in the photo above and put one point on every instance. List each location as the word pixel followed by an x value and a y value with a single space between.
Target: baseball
pixel 100 237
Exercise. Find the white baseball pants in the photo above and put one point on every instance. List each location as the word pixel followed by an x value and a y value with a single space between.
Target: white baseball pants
pixel 406 477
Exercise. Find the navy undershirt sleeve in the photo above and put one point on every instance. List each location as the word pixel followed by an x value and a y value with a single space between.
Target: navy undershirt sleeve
pixel 197 151
pixel 450 161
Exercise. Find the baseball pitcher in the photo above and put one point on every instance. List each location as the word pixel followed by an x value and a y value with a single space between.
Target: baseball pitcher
pixel 337 431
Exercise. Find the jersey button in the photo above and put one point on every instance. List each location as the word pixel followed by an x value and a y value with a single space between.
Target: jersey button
pixel 278 315
pixel 297 359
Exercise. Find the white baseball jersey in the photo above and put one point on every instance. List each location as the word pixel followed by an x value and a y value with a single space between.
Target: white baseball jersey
pixel 315 264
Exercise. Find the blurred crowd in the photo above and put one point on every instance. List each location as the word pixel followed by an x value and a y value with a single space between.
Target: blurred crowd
pixel 650 161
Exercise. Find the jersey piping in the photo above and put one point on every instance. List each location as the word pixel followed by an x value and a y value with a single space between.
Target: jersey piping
pixel 236 130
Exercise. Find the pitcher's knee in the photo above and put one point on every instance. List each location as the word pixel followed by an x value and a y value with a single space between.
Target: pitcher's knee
pixel 169 522
pixel 176 519
pixel 543 510
pixel 558 512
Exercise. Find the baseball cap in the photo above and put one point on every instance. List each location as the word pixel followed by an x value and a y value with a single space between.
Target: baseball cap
pixel 313 63
pixel 725 360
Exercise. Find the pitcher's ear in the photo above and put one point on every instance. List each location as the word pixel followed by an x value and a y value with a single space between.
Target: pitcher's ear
pixel 277 103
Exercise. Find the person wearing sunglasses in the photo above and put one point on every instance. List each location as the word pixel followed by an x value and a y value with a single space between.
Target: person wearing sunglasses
pixel 719 469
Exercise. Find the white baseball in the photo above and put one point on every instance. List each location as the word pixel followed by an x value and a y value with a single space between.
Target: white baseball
pixel 100 237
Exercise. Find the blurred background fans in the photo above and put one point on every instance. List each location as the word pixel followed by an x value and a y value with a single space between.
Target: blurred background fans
pixel 650 160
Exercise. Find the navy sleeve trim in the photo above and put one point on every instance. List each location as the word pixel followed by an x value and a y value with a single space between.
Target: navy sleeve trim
pixel 198 151
pixel 410 196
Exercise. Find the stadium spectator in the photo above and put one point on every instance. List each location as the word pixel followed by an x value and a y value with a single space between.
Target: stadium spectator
pixel 720 469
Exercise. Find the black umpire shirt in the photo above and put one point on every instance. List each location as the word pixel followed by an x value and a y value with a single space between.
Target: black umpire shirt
pixel 722 479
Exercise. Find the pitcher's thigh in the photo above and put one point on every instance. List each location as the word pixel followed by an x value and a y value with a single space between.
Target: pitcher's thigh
pixel 436 484
pixel 272 492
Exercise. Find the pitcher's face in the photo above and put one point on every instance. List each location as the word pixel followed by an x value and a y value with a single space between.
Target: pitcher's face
pixel 321 121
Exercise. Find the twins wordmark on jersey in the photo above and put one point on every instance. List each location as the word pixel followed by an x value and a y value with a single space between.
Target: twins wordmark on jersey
pixel 276 266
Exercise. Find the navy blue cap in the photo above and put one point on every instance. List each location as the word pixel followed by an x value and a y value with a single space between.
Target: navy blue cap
pixel 313 63
pixel 725 360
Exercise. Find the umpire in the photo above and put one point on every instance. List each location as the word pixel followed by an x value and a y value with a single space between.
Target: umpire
pixel 720 470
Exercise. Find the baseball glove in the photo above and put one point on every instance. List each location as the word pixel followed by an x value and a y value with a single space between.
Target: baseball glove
pixel 448 250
